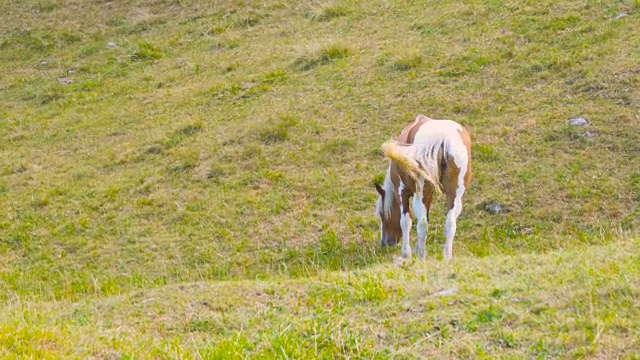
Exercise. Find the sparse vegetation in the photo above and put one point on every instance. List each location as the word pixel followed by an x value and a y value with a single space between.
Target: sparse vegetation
pixel 322 55
pixel 579 303
pixel 203 188
pixel 333 10
pixel 408 60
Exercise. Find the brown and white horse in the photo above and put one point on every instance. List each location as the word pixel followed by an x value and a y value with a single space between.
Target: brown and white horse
pixel 430 156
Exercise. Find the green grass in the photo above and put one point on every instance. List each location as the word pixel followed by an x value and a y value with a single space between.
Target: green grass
pixel 226 141
pixel 581 303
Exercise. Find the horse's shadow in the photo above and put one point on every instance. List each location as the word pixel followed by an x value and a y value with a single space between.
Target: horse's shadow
pixel 313 259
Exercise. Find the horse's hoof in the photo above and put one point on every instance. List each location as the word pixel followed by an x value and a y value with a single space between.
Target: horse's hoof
pixel 388 243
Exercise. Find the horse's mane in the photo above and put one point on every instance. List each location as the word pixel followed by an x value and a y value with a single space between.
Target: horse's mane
pixel 420 161
pixel 389 191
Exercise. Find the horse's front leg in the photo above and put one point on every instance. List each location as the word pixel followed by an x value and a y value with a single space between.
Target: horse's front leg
pixel 420 211
pixel 405 225
pixel 424 228
pixel 405 220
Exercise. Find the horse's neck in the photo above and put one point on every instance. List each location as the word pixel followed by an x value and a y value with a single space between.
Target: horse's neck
pixel 402 177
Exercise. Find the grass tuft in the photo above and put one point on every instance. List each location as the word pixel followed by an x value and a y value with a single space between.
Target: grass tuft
pixel 44 6
pixel 145 51
pixel 408 60
pixel 331 11
pixel 322 55
pixel 277 130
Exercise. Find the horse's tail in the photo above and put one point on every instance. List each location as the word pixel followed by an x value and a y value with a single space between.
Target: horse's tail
pixel 405 156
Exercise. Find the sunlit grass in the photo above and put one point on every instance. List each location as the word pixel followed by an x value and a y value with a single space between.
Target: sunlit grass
pixel 149 144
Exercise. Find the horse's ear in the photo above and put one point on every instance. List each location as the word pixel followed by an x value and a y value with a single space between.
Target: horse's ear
pixel 380 190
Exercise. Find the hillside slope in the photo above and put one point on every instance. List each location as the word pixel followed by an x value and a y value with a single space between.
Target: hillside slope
pixel 146 144
pixel 568 304
pixel 151 142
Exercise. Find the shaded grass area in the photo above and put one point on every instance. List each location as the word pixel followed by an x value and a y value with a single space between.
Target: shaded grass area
pixel 578 303
pixel 239 141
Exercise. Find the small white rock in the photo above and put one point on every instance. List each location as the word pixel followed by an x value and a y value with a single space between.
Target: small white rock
pixel 43 62
pixel 495 208
pixel 621 15
pixel 446 292
pixel 578 122
pixel 111 45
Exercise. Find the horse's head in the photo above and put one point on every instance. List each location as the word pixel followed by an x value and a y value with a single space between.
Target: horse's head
pixel 388 212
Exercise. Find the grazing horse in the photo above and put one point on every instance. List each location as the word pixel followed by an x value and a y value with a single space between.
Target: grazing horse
pixel 429 157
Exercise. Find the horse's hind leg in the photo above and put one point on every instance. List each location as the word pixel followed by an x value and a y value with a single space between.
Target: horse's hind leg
pixel 454 183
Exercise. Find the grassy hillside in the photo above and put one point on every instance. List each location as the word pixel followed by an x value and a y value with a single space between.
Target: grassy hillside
pixel 149 143
pixel 582 303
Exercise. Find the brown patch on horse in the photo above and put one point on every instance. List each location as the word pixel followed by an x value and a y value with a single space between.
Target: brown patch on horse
pixel 412 130
pixel 452 171
pixel 450 181
pixel 466 139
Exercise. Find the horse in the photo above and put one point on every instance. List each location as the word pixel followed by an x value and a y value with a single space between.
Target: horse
pixel 428 157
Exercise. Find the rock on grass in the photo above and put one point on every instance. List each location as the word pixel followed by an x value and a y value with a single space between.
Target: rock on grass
pixel 578 122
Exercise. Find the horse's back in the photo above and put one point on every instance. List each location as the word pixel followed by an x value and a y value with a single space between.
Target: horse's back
pixel 448 135
pixel 439 127
pixel 408 134
pixel 456 143
pixel 424 126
